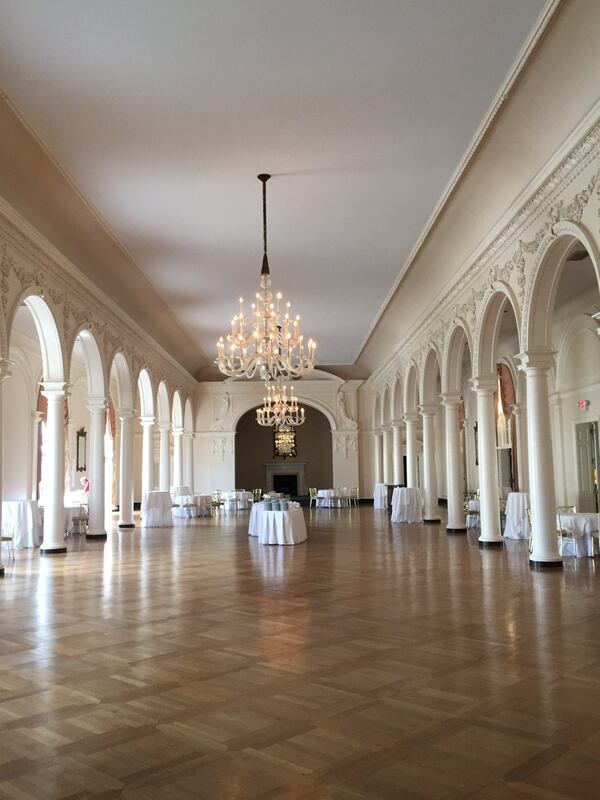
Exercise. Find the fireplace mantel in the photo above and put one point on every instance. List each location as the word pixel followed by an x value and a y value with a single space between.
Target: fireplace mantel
pixel 286 468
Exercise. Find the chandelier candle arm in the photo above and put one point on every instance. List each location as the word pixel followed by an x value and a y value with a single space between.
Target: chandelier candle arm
pixel 273 348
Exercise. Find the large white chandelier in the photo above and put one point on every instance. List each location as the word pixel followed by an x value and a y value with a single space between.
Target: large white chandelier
pixel 280 408
pixel 265 343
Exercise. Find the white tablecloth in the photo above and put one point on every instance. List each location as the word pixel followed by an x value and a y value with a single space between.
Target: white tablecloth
pixel 517 524
pixel 473 520
pixel 237 500
pixel 380 496
pixel 21 520
pixel 407 505
pixel 581 526
pixel 278 527
pixel 325 498
pixel 156 510
pixel 253 526
pixel 192 505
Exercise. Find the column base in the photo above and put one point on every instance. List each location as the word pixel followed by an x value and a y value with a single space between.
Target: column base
pixel 437 521
pixel 101 535
pixel 52 551
pixel 453 531
pixel 493 544
pixel 126 524
pixel 539 565
pixel 1 571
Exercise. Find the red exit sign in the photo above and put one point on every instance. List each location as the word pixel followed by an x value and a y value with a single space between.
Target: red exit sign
pixel 583 404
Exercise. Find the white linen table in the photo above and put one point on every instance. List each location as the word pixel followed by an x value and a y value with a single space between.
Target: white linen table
pixel 473 520
pixel 21 520
pixel 281 527
pixel 234 501
pixel 407 505
pixel 186 507
pixel 253 526
pixel 156 510
pixel 325 498
pixel 581 526
pixel 380 496
pixel 517 523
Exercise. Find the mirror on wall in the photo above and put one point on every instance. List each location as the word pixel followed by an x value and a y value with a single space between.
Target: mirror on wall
pixel 81 450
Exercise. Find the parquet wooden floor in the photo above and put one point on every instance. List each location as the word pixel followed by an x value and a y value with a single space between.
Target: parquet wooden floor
pixel 374 661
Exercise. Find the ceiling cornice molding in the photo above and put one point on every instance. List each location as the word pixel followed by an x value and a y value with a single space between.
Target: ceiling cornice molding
pixel 574 155
pixel 527 51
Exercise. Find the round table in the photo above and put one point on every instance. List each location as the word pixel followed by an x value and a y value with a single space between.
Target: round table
pixel 21 521
pixel 277 527
pixel 407 505
pixel 517 523
pixel 157 510
pixel 580 526
pixel 380 496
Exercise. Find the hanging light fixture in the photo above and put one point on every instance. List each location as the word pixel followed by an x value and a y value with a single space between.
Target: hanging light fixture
pixel 266 343
pixel 284 442
pixel 280 408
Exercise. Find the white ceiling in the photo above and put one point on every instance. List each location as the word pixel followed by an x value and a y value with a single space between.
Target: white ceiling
pixel 164 112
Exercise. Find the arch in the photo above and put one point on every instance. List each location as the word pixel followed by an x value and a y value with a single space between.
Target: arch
pixel 188 416
pixel 122 374
pixel 411 389
pixel 53 363
pixel 177 410
pixel 484 362
pixel 94 369
pixel 396 398
pixel 162 403
pixel 146 391
pixel 431 370
pixel 554 252
pixel 251 403
pixel 458 340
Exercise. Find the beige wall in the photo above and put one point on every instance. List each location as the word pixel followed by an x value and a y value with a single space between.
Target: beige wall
pixel 254 447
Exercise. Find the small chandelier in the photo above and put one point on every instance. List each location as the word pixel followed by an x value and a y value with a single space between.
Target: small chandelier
pixel 280 408
pixel 284 443
pixel 265 343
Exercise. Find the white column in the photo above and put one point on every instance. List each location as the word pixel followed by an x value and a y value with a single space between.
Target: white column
pixel 147 454
pixel 398 464
pixel 126 483
pixel 378 455
pixel 188 460
pixel 4 374
pixel 519 411
pixel 387 455
pixel 454 466
pixel 542 497
pixel 164 467
pixel 558 448
pixel 177 456
pixel 490 535
pixel 54 470
pixel 430 514
pixel 96 522
pixel 412 478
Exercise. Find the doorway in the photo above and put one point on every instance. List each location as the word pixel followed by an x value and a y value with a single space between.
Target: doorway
pixel 586 434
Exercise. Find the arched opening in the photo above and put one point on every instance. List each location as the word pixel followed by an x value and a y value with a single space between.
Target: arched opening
pixel 457 385
pixel 35 469
pixel 434 442
pixel 256 466
pixel 164 426
pixel 564 318
pixel 149 454
pixel 123 442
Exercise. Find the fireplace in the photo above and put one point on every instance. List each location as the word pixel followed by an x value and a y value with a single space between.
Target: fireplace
pixel 286 484
pixel 290 472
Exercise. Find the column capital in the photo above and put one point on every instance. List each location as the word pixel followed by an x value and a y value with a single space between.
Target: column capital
pixel 386 428
pixel 397 424
pixel 95 404
pixel 411 416
pixel 177 431
pixel 164 427
pixel 125 413
pixel 452 399
pixel 146 422
pixel 556 399
pixel 55 389
pixel 540 359
pixel 428 410
pixel 519 408
pixel 484 384
pixel 378 433
pixel 188 434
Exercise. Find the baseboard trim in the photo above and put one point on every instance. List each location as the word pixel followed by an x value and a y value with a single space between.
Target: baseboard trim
pixel 55 551
pixel 454 531
pixel 491 545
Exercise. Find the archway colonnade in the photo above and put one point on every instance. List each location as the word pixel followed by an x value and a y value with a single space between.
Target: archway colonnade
pixel 462 360
pixel 113 378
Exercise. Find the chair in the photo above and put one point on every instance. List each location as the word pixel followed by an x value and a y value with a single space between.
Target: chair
pixel 313 496
pixel 565 536
pixel 216 500
pixel 257 495
pixel 353 497
pixel 79 523
pixel 7 539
